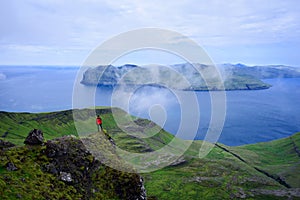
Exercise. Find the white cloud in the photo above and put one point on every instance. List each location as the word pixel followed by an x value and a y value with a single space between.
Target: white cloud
pixel 84 24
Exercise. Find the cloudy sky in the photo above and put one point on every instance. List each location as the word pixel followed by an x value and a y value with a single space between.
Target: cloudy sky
pixel 54 32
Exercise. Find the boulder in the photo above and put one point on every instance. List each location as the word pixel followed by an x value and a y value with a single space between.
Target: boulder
pixel 35 137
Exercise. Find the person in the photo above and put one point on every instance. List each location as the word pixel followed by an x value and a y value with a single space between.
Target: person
pixel 99 123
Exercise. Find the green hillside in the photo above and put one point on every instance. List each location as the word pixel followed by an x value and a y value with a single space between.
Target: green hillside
pixel 15 127
pixel 280 158
pixel 258 171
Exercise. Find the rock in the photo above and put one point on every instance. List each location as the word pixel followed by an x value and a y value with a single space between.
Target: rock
pixel 143 195
pixel 179 161
pixel 71 162
pixel 11 167
pixel 68 166
pixel 291 193
pixel 199 179
pixel 240 194
pixel 66 177
pixel 35 137
pixel 5 145
pixel 50 168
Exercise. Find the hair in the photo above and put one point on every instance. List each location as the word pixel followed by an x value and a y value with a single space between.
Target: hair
pixel 98 116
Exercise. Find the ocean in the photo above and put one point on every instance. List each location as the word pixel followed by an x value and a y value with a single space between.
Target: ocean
pixel 251 116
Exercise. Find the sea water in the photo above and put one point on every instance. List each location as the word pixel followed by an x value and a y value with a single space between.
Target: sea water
pixel 251 116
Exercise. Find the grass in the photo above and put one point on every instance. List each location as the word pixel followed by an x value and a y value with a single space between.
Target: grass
pixel 30 182
pixel 280 157
pixel 91 179
pixel 225 173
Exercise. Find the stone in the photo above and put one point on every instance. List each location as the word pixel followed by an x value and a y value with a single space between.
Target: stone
pixel 11 167
pixel 66 177
pixel 179 161
pixel 35 137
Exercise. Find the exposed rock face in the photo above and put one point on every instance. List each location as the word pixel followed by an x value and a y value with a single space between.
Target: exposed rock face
pixel 63 167
pixel 74 165
pixel 35 137
pixel 143 195
pixel 70 161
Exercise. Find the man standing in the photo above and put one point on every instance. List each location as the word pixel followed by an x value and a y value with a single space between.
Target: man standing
pixel 99 123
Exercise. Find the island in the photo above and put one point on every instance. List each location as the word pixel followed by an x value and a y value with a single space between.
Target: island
pixel 189 77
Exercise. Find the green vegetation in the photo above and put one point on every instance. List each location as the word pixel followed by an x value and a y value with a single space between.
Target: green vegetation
pixel 280 157
pixel 231 173
pixel 258 171
pixel 62 169
pixel 14 127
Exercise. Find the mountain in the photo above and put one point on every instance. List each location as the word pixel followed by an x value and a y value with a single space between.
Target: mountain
pixel 264 72
pixel 198 77
pixel 266 170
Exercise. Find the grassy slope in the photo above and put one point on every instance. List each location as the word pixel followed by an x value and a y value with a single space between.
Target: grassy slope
pixel 222 174
pixel 280 157
pixel 15 127
pixel 232 172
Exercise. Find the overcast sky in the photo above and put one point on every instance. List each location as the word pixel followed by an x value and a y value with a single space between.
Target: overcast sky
pixel 55 32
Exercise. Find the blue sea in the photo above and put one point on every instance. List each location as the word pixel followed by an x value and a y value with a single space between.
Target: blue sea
pixel 251 116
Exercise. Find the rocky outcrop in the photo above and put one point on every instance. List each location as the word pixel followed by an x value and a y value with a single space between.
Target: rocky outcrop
pixel 73 164
pixel 70 162
pixel 64 169
pixel 35 137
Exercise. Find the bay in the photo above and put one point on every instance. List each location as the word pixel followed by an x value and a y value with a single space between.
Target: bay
pixel 251 116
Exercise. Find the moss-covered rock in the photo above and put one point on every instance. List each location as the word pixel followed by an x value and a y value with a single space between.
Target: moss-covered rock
pixel 62 168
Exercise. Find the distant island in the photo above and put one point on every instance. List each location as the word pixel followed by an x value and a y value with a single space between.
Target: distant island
pixel 187 77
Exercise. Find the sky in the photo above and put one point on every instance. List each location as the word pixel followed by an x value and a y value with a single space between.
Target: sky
pixel 55 32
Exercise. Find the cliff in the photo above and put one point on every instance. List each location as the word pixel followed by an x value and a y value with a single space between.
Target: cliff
pixel 180 76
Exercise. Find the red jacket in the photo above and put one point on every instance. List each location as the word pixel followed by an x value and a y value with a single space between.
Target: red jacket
pixel 99 120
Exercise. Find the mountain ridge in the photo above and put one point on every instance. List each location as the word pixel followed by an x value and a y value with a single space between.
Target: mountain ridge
pixel 248 171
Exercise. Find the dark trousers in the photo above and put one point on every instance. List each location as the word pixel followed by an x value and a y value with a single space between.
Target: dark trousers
pixel 99 125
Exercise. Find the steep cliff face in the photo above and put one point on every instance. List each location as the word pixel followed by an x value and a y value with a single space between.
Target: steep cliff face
pixel 62 168
pixel 204 78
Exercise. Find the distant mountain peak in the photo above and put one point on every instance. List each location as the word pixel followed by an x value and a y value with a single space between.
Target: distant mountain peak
pixel 240 65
